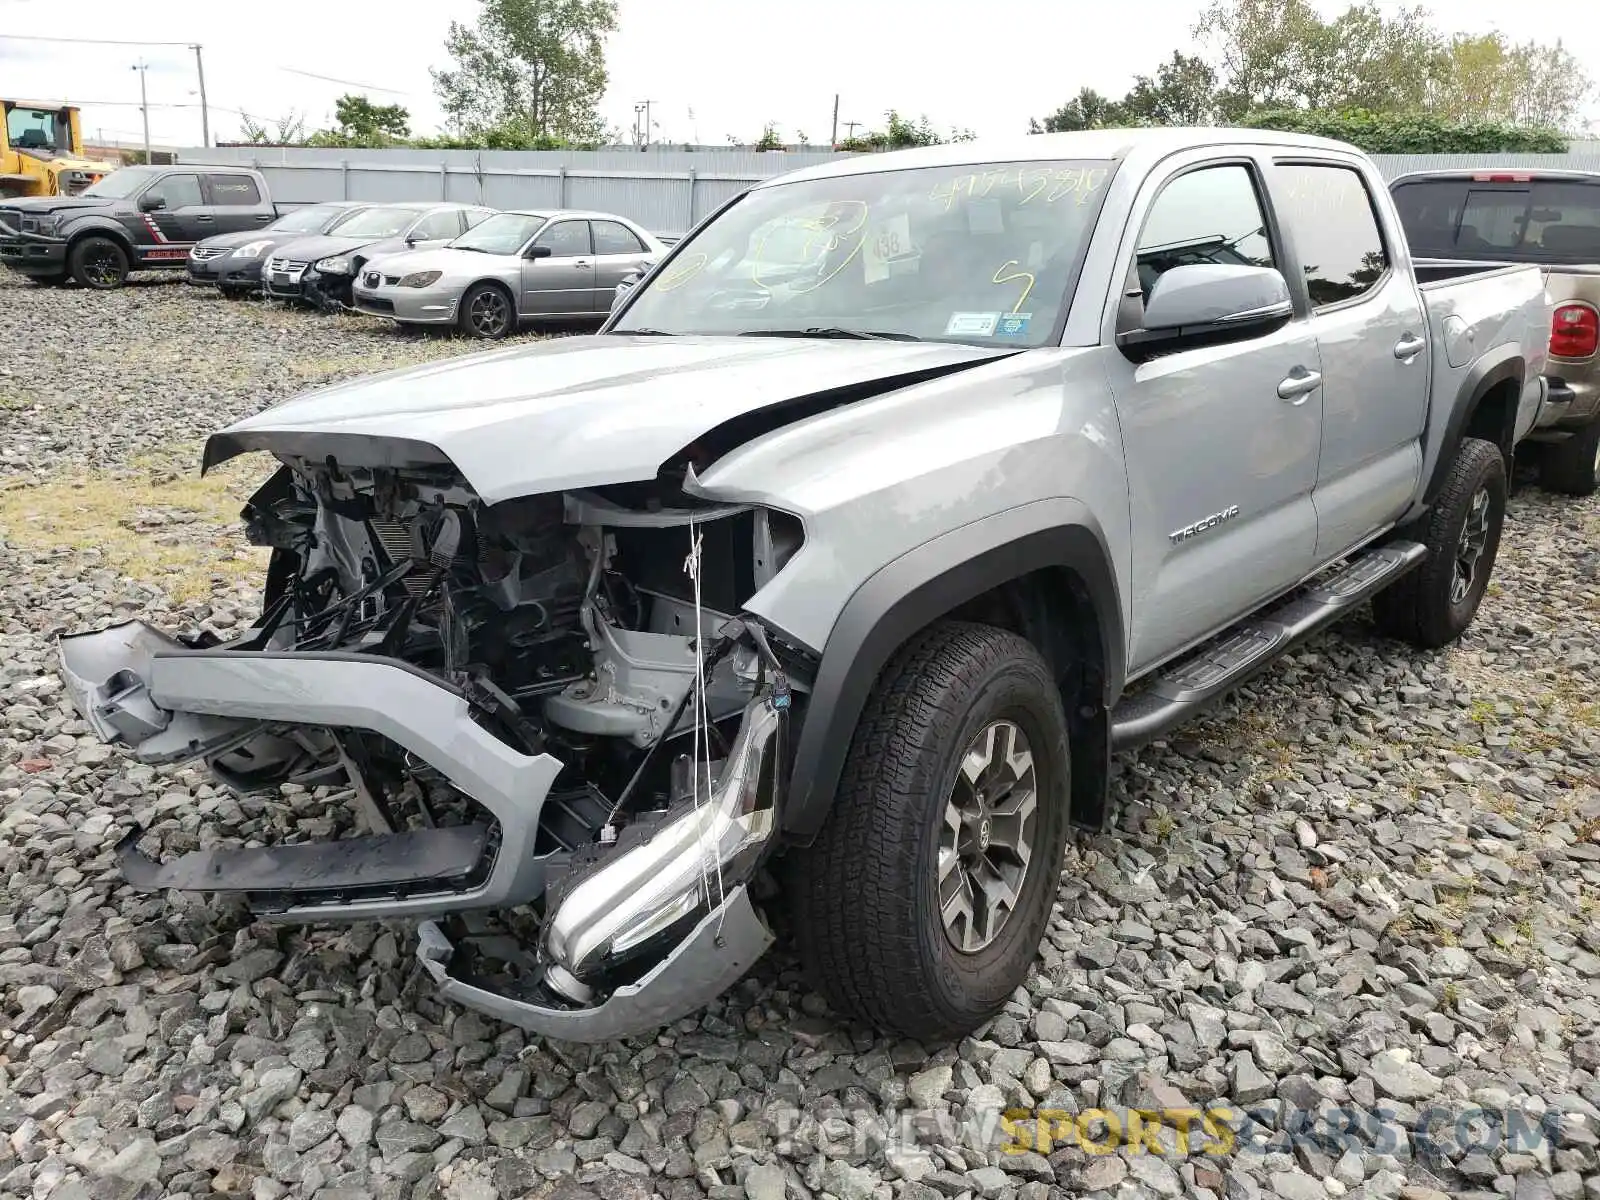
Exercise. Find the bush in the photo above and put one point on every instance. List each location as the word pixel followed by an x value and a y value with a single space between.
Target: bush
pixel 1412 133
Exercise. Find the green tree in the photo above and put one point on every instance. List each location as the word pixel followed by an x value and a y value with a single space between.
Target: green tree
pixel 361 120
pixel 1182 92
pixel 531 69
pixel 1486 77
pixel 769 139
pixel 1411 133
pixel 900 133
pixel 1087 110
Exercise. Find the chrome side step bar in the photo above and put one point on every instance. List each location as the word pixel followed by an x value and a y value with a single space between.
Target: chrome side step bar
pixel 1247 649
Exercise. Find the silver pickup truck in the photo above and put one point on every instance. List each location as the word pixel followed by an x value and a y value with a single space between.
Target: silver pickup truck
pixel 830 577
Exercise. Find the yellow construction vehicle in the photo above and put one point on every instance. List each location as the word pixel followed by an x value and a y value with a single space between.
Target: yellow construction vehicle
pixel 41 151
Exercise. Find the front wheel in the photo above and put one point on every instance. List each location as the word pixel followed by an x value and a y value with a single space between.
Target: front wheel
pixel 920 906
pixel 1433 604
pixel 98 263
pixel 1572 466
pixel 486 312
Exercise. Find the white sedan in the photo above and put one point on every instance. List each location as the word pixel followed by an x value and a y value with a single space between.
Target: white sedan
pixel 556 266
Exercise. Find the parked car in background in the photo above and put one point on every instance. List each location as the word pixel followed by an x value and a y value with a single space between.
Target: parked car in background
pixel 861 576
pixel 560 265
pixel 1459 220
pixel 134 219
pixel 232 262
pixel 320 270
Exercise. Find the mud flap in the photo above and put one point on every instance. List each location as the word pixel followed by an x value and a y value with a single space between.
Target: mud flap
pixel 105 673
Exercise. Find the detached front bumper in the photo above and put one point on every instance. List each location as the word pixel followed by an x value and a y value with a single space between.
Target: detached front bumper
pixel 672 887
pixel 32 253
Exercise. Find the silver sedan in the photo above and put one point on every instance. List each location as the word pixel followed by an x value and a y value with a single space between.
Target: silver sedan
pixel 562 265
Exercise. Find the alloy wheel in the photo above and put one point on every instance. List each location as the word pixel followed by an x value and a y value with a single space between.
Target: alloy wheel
pixel 488 314
pixel 1469 549
pixel 986 841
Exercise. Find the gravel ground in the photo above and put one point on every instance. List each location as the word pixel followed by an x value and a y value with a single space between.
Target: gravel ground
pixel 1359 902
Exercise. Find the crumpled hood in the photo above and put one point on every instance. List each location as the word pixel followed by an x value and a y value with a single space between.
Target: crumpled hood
pixel 326 245
pixel 575 411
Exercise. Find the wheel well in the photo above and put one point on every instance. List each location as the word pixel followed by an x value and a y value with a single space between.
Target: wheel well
pixel 110 235
pixel 1494 417
pixel 1054 609
pixel 496 284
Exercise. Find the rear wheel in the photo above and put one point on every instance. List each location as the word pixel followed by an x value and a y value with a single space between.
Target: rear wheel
pixel 99 263
pixel 1433 604
pixel 920 906
pixel 1572 466
pixel 486 312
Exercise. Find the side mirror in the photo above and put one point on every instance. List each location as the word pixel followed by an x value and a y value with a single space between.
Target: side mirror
pixel 152 203
pixel 1205 304
pixel 540 251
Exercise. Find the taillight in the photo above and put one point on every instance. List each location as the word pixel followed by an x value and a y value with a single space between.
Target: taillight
pixel 1574 331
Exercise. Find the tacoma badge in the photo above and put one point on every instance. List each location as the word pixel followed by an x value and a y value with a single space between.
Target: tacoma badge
pixel 1199 527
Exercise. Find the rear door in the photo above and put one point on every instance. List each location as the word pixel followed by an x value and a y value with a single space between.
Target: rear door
pixel 562 284
pixel 168 219
pixel 618 253
pixel 1372 334
pixel 234 203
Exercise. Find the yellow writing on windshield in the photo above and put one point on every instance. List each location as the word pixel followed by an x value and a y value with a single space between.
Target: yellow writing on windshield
pixel 825 235
pixel 1049 184
pixel 1001 277
pixel 680 273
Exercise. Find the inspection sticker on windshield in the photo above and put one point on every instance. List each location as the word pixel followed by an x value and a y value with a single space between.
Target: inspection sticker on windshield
pixel 1013 324
pixel 972 324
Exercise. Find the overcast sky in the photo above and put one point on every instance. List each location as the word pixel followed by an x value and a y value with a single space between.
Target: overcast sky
pixel 712 67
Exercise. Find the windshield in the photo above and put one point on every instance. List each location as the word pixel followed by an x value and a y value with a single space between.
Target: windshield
pixel 379 222
pixel 972 253
pixel 122 183
pixel 312 219
pixel 1532 220
pixel 44 131
pixel 503 233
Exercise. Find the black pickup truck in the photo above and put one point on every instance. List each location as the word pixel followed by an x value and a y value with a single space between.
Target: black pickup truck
pixel 134 219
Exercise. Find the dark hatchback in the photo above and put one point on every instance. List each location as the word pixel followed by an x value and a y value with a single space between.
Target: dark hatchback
pixel 233 261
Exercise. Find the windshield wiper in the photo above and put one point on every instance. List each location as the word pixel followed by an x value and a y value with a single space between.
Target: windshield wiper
pixel 835 331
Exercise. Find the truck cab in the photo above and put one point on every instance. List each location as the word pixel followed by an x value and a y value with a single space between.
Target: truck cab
pixel 41 151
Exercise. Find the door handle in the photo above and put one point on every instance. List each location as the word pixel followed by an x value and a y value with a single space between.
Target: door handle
pixel 204 217
pixel 582 265
pixel 1409 347
pixel 1299 384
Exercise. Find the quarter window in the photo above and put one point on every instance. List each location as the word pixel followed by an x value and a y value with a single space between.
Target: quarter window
pixel 1212 215
pixel 1329 212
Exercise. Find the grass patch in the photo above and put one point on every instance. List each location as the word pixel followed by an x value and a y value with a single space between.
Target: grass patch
pixel 161 527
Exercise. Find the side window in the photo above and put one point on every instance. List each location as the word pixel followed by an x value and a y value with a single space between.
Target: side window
pixel 179 191
pixel 233 190
pixel 437 225
pixel 566 239
pixel 1211 215
pixel 1329 211
pixel 476 216
pixel 612 238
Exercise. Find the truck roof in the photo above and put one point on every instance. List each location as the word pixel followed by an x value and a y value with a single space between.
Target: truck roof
pixel 48 105
pixel 1114 144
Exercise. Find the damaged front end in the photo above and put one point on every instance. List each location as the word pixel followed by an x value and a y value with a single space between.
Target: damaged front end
pixel 569 742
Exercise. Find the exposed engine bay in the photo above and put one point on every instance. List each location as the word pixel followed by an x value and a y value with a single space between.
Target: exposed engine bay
pixel 593 640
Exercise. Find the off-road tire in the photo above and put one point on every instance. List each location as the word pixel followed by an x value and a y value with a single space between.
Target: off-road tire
pixel 1572 465
pixel 1418 608
pixel 99 263
pixel 864 894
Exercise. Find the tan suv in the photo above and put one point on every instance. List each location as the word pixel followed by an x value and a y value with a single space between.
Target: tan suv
pixel 1551 218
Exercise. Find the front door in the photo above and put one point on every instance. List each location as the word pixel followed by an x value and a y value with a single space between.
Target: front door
pixel 561 284
pixel 234 203
pixel 1373 336
pixel 170 218
pixel 618 253
pixel 1221 450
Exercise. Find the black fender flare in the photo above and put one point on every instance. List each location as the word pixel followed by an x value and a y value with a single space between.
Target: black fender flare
pixel 917 589
pixel 1501 365
pixel 102 227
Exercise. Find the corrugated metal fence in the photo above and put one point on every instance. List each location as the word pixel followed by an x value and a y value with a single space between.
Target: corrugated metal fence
pixel 666 191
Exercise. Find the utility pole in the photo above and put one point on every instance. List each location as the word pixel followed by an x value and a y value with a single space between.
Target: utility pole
pixel 834 140
pixel 144 107
pixel 648 127
pixel 205 113
pixel 850 130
